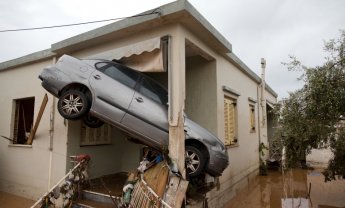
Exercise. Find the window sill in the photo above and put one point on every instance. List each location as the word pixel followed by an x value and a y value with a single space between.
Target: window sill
pixel 20 145
pixel 232 145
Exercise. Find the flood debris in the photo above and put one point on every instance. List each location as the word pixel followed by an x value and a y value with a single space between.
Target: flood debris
pixel 155 183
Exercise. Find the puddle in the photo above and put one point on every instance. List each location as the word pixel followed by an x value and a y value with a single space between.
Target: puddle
pixel 291 190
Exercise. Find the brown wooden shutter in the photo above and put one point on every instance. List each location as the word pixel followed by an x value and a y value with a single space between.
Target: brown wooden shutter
pixel 229 121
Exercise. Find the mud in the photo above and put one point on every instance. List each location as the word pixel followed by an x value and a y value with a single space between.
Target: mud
pixel 13 201
pixel 293 188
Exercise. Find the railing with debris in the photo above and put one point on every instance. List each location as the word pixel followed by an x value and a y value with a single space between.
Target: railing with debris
pixel 69 188
pixel 144 196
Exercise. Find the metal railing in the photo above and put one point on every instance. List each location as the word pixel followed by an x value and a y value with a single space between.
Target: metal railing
pixel 82 163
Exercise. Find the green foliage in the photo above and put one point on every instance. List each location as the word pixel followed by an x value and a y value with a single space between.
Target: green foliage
pixel 311 116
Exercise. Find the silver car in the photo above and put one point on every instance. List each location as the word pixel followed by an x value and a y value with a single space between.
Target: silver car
pixel 100 91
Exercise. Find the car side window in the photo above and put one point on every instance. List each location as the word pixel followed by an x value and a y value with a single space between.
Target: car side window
pixel 118 72
pixel 154 91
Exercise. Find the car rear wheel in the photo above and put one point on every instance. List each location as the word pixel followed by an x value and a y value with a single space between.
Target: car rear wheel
pixel 92 121
pixel 195 161
pixel 73 104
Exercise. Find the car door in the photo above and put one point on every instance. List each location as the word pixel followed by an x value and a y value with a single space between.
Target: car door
pixel 113 87
pixel 147 113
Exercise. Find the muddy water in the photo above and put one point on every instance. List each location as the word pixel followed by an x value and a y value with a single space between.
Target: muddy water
pixel 12 201
pixel 291 189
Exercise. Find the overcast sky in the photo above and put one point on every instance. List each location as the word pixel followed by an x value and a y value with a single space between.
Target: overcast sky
pixel 272 29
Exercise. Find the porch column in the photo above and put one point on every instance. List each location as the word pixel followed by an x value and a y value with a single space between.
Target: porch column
pixel 177 99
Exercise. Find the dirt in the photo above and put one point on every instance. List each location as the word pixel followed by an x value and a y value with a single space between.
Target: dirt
pixel 291 189
pixel 12 201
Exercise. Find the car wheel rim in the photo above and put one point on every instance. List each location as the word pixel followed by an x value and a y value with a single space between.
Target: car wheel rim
pixel 192 161
pixel 72 104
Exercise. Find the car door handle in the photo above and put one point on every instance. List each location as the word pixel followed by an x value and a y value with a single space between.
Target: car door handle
pixel 97 76
pixel 139 99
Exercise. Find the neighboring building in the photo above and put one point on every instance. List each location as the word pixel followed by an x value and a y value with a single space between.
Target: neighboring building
pixel 222 94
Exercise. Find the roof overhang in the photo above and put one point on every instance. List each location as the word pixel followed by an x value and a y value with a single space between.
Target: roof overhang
pixel 181 12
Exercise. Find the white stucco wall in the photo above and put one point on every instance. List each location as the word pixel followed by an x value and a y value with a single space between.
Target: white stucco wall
pixel 24 169
pixel 319 157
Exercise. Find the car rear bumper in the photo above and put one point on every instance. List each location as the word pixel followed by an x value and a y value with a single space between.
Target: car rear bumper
pixel 53 80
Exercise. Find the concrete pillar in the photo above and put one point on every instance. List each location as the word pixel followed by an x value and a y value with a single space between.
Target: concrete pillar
pixel 177 93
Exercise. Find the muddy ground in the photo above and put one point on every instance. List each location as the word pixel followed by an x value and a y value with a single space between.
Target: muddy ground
pixel 294 188
pixel 13 201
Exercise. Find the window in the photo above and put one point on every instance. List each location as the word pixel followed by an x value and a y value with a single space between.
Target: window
pixel 23 119
pixel 154 91
pixel 95 136
pixel 230 121
pixel 252 118
pixel 120 73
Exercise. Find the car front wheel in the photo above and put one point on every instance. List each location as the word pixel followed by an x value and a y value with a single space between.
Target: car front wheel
pixel 195 161
pixel 73 104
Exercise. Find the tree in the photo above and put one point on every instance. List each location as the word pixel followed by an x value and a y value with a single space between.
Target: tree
pixel 314 116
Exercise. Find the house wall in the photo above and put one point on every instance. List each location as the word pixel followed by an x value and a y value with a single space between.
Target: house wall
pixel 119 156
pixel 204 84
pixel 319 157
pixel 201 102
pixel 24 168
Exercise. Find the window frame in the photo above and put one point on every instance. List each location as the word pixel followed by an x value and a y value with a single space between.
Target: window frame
pixel 228 141
pixel 17 119
pixel 104 139
pixel 252 118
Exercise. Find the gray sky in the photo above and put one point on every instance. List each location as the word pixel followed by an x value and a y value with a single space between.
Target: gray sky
pixel 272 29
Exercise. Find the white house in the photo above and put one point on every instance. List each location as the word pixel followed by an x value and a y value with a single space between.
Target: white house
pixel 221 93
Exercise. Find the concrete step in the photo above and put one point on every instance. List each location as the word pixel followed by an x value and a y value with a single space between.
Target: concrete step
pixel 84 203
pixel 92 199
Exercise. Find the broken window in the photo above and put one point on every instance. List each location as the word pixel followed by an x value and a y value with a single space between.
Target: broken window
pixel 23 119
pixel 95 136
pixel 230 121
pixel 252 118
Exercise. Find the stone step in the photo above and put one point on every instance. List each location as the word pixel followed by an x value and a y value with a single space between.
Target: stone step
pixel 92 199
pixel 84 203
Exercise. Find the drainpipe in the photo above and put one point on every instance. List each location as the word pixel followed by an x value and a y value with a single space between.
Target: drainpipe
pixel 51 136
pixel 262 104
pixel 263 86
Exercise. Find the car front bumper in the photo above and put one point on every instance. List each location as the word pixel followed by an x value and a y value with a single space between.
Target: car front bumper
pixel 218 162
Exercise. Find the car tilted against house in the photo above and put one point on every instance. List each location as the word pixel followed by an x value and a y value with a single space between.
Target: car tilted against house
pixel 100 91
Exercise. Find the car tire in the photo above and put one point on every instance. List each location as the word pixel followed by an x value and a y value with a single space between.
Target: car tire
pixel 73 104
pixel 92 121
pixel 195 161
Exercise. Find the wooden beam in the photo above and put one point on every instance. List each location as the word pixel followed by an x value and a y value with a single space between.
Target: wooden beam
pixel 38 119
